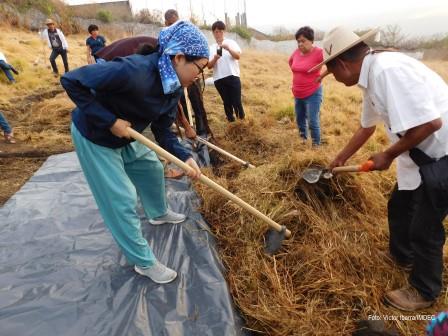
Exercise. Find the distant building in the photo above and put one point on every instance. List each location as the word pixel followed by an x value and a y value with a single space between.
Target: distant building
pixel 244 20
pixel 120 9
pixel 227 20
pixel 237 20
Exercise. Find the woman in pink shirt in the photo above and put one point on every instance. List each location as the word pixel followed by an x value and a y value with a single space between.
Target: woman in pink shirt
pixel 306 86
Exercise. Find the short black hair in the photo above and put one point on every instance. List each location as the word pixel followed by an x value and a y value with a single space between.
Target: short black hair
pixel 306 32
pixel 146 49
pixel 171 14
pixel 92 28
pixel 218 25
pixel 351 55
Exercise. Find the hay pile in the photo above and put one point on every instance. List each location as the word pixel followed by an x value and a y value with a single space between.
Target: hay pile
pixel 333 270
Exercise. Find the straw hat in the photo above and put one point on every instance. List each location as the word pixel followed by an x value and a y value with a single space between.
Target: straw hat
pixel 341 39
pixel 49 21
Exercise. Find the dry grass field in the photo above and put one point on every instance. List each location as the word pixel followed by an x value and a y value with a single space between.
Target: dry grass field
pixel 331 272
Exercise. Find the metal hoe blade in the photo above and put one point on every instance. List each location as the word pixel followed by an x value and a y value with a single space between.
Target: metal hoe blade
pixel 273 240
pixel 312 175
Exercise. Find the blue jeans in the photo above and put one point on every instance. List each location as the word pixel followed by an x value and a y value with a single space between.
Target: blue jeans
pixel 4 124
pixel 308 115
pixel 7 70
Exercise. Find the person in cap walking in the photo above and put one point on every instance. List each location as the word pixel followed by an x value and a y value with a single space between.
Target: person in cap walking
pixel 412 102
pixel 137 91
pixel 57 43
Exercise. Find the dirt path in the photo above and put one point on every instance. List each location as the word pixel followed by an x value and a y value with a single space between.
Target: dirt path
pixel 19 161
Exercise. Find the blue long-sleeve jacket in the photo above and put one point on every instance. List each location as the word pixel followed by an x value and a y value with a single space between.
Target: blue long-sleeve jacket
pixel 128 88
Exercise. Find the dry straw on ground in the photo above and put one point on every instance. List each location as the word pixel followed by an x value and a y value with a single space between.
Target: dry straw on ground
pixel 333 270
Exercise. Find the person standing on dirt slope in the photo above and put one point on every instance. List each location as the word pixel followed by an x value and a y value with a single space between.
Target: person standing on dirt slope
pixel 412 101
pixel 306 86
pixel 57 43
pixel 136 91
pixel 224 56
pixel 7 130
pixel 7 68
pixel 94 44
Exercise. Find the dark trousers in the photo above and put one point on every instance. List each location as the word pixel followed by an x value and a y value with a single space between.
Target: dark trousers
pixel 417 237
pixel 229 89
pixel 54 54
pixel 7 68
pixel 197 104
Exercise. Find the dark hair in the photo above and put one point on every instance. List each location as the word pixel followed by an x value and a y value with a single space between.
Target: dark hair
pixel 171 14
pixel 218 25
pixel 351 55
pixel 146 49
pixel 92 28
pixel 306 32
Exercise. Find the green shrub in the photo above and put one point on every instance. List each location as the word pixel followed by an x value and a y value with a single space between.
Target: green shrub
pixel 104 16
pixel 242 31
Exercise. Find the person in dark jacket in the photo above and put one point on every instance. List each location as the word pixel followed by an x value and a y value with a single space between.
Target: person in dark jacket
pixel 136 91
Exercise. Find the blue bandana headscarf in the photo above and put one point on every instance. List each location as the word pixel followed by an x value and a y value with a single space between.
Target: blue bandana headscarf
pixel 181 38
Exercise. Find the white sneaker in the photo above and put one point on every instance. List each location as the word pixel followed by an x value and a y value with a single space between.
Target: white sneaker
pixel 158 273
pixel 170 217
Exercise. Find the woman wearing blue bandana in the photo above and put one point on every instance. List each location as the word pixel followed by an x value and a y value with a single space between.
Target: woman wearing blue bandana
pixel 136 91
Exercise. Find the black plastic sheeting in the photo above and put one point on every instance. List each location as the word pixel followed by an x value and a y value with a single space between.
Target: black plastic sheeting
pixel 199 151
pixel 61 273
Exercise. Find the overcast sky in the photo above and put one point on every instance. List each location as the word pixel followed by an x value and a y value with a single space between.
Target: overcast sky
pixel 416 17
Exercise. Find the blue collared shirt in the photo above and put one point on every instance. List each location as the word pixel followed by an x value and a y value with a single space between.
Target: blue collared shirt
pixel 96 44
pixel 128 88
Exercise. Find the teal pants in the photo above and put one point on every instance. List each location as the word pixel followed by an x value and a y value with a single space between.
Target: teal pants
pixel 116 177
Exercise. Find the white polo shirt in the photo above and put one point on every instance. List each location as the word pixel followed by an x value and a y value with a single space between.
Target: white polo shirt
pixel 226 66
pixel 3 57
pixel 404 93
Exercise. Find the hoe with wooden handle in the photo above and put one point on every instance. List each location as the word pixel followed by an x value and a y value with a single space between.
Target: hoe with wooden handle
pixel 274 238
pixel 312 175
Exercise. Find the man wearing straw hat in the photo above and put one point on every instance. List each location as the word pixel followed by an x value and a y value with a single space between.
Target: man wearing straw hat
pixel 412 101
pixel 57 43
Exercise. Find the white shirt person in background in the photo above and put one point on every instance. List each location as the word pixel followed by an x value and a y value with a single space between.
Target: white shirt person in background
pixel 412 102
pixel 224 56
pixel 57 43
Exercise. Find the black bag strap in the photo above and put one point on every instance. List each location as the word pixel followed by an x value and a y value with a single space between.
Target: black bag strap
pixel 419 157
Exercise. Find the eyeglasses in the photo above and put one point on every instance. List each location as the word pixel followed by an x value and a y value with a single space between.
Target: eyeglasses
pixel 201 71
